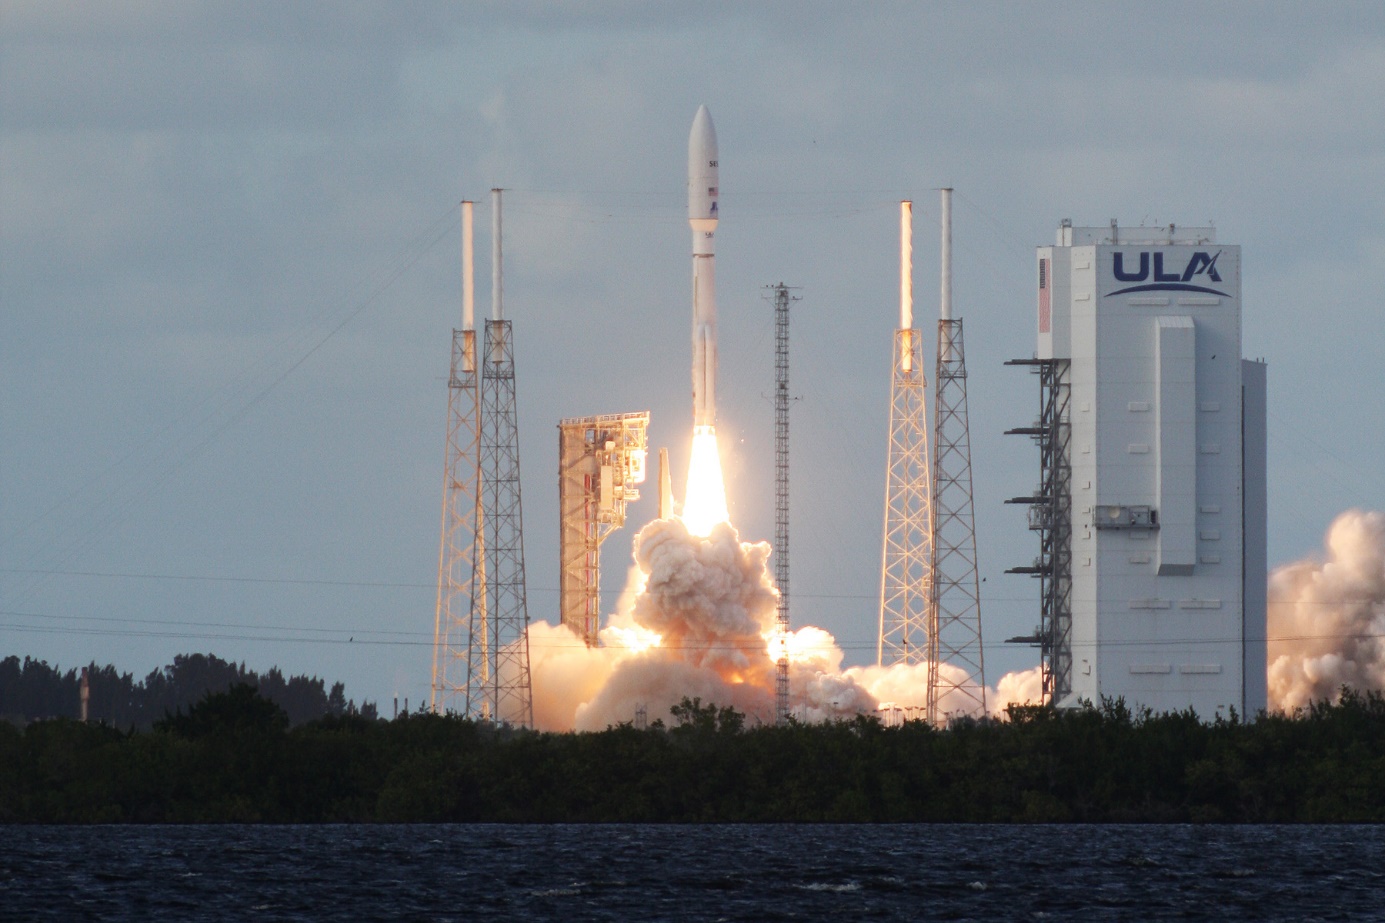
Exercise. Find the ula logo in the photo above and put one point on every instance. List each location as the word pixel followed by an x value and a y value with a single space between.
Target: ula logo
pixel 1199 265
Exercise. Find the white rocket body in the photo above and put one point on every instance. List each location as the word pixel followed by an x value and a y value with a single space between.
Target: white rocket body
pixel 702 217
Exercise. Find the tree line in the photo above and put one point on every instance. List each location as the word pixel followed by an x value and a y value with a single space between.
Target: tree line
pixel 32 690
pixel 236 757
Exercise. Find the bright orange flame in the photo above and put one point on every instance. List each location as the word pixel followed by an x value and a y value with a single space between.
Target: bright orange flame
pixel 704 502
pixel 635 638
pixel 802 646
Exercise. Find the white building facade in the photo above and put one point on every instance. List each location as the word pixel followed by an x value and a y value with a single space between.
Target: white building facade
pixel 1164 469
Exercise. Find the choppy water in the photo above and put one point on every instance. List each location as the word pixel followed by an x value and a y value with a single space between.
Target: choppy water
pixel 722 872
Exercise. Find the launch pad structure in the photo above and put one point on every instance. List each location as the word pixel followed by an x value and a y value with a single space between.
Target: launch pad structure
pixel 601 462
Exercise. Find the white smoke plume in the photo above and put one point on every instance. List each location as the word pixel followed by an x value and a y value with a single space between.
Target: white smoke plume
pixel 710 602
pixel 1021 687
pixel 1327 616
pixel 696 620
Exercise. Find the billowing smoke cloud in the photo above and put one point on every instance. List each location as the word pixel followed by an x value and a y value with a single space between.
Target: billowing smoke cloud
pixel 710 603
pixel 1022 687
pixel 1327 616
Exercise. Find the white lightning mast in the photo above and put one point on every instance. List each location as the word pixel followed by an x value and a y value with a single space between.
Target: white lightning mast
pixel 954 619
pixel 906 558
pixel 461 556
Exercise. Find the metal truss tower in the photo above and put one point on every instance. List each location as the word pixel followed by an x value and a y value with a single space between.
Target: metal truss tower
pixel 782 300
pixel 601 460
pixel 907 554
pixel 1050 515
pixel 506 693
pixel 955 614
pixel 487 505
pixel 461 558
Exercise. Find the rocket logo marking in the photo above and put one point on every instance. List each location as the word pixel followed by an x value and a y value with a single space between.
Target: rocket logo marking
pixel 1162 281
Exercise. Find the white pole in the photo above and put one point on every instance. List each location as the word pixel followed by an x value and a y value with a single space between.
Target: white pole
pixel 468 269
pixel 906 265
pixel 497 288
pixel 946 312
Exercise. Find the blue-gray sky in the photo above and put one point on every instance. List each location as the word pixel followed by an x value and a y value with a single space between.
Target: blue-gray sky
pixel 229 268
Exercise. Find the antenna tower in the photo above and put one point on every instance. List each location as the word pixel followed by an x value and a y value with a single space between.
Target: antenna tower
pixel 906 559
pixel 461 558
pixel 954 618
pixel 782 299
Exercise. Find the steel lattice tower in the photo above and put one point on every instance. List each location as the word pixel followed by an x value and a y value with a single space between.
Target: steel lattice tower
pixel 907 554
pixel 481 561
pixel 955 614
pixel 461 559
pixel 502 657
pixel 782 300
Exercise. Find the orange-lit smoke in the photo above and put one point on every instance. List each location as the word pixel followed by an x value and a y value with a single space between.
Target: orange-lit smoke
pixel 710 604
pixel 1327 616
pixel 698 620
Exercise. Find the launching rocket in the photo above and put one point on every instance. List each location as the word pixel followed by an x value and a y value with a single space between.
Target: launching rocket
pixel 702 217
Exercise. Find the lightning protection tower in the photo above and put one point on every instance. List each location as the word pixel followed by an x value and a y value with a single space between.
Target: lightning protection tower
pixel 782 299
pixel 461 557
pixel 954 619
pixel 907 556
pixel 499 685
pixel 601 462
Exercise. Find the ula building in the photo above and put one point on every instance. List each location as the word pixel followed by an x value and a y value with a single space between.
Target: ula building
pixel 1150 510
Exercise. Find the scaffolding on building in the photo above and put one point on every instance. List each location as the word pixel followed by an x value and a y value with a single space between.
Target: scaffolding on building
pixel 1050 515
pixel 955 614
pixel 601 462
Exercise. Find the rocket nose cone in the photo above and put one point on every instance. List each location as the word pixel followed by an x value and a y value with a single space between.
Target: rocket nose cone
pixel 702 174
pixel 702 141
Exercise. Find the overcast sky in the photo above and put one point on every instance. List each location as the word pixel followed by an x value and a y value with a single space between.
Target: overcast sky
pixel 229 270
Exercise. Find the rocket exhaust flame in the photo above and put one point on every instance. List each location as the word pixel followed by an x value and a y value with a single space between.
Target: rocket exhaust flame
pixel 704 503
